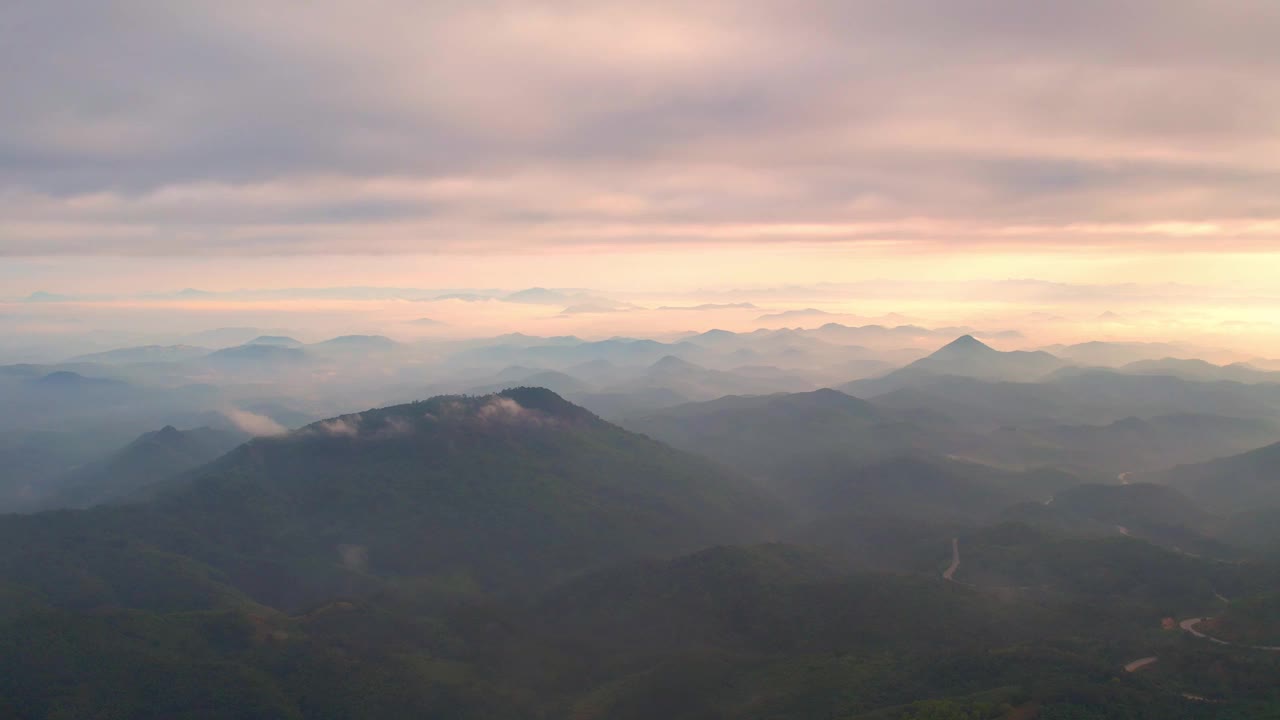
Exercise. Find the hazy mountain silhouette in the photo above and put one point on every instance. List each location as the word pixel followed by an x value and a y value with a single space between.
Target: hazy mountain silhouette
pixel 277 340
pixel 256 357
pixel 1115 354
pixel 145 354
pixel 153 457
pixel 1201 370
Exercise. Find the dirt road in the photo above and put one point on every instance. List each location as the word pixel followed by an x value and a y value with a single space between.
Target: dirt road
pixel 949 573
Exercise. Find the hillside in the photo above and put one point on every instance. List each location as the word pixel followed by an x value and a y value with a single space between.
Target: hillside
pixel 1155 513
pixel 1246 482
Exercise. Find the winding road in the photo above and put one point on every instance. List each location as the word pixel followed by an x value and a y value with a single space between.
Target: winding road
pixel 950 572
pixel 1189 625
pixel 1140 663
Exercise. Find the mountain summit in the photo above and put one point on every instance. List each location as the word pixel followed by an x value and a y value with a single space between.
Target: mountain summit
pixel 965 344
pixel 966 356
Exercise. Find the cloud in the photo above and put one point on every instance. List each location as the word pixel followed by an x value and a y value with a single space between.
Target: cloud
pixel 353 557
pixel 345 426
pixel 590 308
pixel 500 410
pixel 394 427
pixel 794 315
pixel 711 306
pixel 254 128
pixel 253 423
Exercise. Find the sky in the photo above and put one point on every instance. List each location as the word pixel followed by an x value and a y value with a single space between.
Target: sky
pixel 656 152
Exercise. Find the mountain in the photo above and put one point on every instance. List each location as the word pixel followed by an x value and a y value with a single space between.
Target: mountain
pixel 694 382
pixel 75 382
pixel 513 489
pixel 824 450
pixel 229 336
pixel 965 356
pixel 356 344
pixel 1201 370
pixel 1136 504
pixel 256 357
pixel 1126 445
pixel 918 486
pixel 1080 396
pixel 1246 482
pixel 1155 513
pixel 145 354
pixel 1115 354
pixel 770 434
pixel 513 556
pixel 714 336
pixel 543 352
pixel 275 340
pixel 600 371
pixel 1116 570
pixel 557 382
pixel 767 632
pixel 969 357
pixel 57 396
pixel 153 457
pixel 732 633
